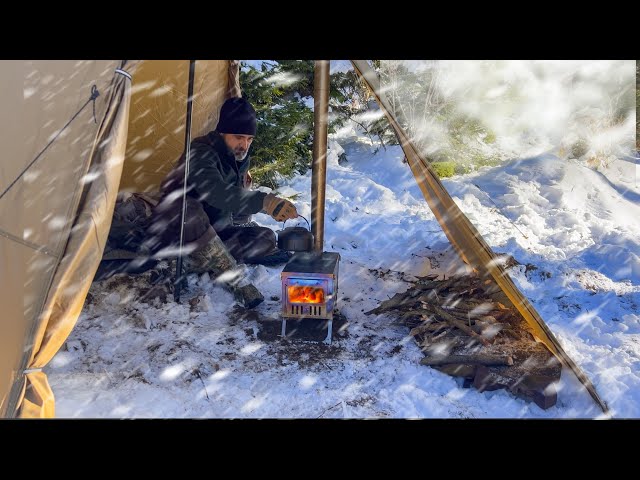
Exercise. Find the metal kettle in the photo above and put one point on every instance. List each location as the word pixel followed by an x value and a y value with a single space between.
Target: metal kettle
pixel 295 239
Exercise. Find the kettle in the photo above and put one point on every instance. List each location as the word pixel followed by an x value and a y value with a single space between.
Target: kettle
pixel 295 239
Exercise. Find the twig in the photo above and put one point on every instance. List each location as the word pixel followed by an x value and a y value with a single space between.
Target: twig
pixel 330 408
pixel 365 129
pixel 326 365
pixel 197 372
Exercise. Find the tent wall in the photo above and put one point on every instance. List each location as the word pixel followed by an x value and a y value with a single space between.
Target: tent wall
pixel 12 274
pixel 84 249
pixel 38 212
pixel 158 115
pixel 55 219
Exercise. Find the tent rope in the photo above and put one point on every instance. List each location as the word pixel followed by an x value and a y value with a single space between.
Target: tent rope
pixel 491 200
pixel 94 95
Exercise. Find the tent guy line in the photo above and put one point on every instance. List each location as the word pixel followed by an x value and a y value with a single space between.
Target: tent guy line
pixel 94 95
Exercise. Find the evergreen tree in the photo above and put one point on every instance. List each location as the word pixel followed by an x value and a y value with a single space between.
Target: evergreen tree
pixel 284 137
pixel 282 93
pixel 350 100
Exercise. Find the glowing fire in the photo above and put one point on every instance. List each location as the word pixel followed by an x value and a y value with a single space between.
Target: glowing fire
pixel 305 294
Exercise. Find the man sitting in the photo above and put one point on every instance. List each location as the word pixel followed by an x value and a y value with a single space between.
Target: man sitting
pixel 216 194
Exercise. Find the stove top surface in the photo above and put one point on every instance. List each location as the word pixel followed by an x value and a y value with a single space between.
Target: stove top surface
pixel 311 262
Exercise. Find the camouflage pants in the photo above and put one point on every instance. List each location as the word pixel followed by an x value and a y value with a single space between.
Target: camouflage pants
pixel 214 258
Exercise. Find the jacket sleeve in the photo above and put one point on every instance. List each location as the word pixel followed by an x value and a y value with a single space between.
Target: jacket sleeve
pixel 210 186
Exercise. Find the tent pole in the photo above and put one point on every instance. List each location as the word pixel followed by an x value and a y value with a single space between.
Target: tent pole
pixel 319 166
pixel 187 143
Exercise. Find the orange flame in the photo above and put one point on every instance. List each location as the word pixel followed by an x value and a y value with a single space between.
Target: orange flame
pixel 305 294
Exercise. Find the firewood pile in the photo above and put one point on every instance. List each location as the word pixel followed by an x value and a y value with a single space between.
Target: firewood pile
pixel 468 328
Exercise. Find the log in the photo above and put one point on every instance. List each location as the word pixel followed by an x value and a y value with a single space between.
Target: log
pixel 501 315
pixel 461 325
pixel 415 313
pixel 427 327
pixel 460 313
pixel 450 341
pixel 399 299
pixel 537 388
pixel 438 285
pixel 474 359
pixel 511 334
pixel 467 305
pixel 465 371
pixel 427 278
pixel 426 286
pixel 488 381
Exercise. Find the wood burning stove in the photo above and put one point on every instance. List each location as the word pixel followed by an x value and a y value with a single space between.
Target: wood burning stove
pixel 310 288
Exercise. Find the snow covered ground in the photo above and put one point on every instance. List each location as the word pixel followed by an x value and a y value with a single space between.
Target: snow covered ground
pixel 578 227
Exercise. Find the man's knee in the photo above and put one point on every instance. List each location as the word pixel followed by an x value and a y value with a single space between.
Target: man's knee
pixel 165 228
pixel 261 241
pixel 246 242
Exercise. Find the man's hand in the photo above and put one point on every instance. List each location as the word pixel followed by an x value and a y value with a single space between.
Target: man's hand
pixel 279 208
pixel 248 180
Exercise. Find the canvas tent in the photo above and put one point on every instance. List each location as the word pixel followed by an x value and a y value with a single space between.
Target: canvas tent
pixel 73 122
pixel 67 129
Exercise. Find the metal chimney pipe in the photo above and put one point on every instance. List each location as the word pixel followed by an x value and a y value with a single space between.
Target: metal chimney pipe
pixel 319 166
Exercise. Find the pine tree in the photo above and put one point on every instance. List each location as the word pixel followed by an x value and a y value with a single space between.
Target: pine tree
pixel 284 137
pixel 282 93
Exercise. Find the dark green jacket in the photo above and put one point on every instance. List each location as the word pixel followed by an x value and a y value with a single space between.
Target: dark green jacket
pixel 215 180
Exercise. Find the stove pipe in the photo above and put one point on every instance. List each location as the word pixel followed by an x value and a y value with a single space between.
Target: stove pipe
pixel 319 166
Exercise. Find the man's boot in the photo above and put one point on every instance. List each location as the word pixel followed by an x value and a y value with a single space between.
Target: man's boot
pixel 215 259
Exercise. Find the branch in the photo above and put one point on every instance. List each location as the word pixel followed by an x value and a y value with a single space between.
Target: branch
pixel 366 130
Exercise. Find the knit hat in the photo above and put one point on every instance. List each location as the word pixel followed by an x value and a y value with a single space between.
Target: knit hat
pixel 237 116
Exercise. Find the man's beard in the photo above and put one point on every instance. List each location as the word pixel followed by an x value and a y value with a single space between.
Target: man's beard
pixel 239 155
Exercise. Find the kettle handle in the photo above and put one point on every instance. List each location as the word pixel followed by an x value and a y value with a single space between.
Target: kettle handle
pixel 301 217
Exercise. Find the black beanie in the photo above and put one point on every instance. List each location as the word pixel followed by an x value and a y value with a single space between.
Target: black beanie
pixel 237 116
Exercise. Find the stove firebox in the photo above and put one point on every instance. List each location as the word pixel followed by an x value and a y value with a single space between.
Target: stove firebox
pixel 310 288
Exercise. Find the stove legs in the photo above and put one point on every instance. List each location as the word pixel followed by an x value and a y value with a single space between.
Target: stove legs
pixel 327 340
pixel 329 331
